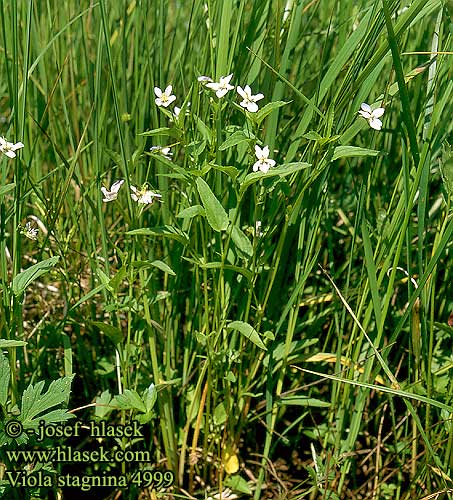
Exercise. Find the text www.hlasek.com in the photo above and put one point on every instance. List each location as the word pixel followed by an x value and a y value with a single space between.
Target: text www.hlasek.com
pixel 69 454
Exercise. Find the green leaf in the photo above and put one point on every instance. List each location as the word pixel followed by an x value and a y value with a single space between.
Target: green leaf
pixel 348 151
pixel 35 403
pixel 5 375
pixel 241 241
pixel 220 415
pixel 216 215
pixel 23 279
pixel 235 138
pixel 446 168
pixel 165 231
pixel 4 343
pixel 103 407
pixel 129 400
pixel 232 172
pixel 7 188
pixel 260 115
pixel 238 483
pixel 112 332
pixel 204 130
pixel 150 397
pixel 163 267
pixel 218 265
pixel 165 131
pixel 282 170
pixel 190 212
pixel 303 401
pixel 248 331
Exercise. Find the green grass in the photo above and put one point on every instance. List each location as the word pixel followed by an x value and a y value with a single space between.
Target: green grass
pixel 309 357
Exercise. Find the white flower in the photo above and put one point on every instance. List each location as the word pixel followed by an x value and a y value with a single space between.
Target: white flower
pixel 249 100
pixel 164 98
pixel 264 163
pixel 204 79
pixel 372 115
pixel 143 196
pixel 165 152
pixel 30 231
pixel 222 87
pixel 113 193
pixel 8 148
pixel 258 231
pixel 177 110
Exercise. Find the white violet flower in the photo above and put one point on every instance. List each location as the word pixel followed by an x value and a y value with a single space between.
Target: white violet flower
pixel 164 98
pixel 372 115
pixel 264 163
pixel 9 148
pixel 113 193
pixel 204 79
pixel 249 100
pixel 30 231
pixel 143 196
pixel 165 152
pixel 222 87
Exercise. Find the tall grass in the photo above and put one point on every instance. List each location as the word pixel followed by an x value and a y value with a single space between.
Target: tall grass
pixel 280 335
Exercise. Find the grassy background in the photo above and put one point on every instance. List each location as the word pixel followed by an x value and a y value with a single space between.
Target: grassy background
pixel 141 297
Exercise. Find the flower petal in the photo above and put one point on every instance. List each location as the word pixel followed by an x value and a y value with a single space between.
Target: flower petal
pixel 366 107
pixel 226 79
pixel 158 91
pixel 252 107
pixel 378 112
pixel 168 90
pixel 258 151
pixel 375 123
pixel 257 97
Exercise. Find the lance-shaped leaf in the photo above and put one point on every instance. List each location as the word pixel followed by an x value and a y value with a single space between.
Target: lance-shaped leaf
pixel 215 213
pixel 248 331
pixel 23 279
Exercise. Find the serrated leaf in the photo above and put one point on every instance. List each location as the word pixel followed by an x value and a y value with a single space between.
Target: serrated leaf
pixel 190 212
pixel 266 110
pixel 7 188
pixel 248 331
pixel 215 213
pixel 165 231
pixel 35 403
pixel 23 279
pixel 241 241
pixel 349 151
pixel 112 332
pixel 129 400
pixel 5 375
pixel 163 267
pixel 282 170
pixel 103 404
